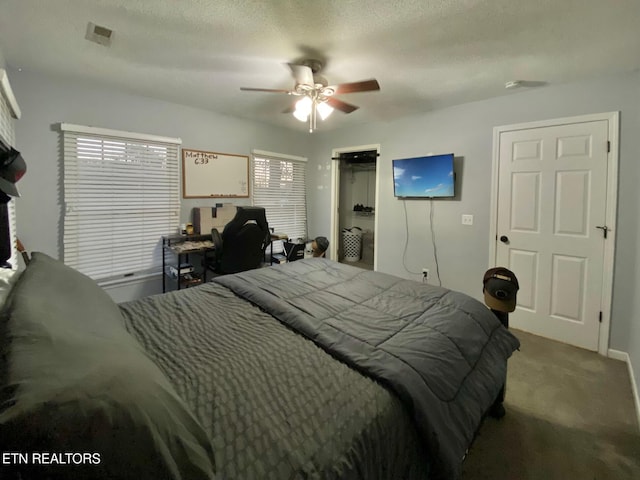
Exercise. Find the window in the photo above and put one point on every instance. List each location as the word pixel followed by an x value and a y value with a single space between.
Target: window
pixel 279 186
pixel 121 194
pixel 8 111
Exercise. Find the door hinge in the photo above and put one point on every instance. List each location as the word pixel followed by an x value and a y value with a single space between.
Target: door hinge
pixel 608 146
pixel 600 317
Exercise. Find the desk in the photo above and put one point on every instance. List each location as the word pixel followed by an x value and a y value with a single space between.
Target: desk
pixel 175 259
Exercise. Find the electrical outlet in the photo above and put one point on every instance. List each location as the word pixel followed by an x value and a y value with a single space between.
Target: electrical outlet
pixel 467 219
pixel 425 274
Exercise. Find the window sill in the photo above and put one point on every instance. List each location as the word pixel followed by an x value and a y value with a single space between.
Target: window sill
pixel 129 280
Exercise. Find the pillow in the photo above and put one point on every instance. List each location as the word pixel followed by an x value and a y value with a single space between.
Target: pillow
pixel 8 277
pixel 75 383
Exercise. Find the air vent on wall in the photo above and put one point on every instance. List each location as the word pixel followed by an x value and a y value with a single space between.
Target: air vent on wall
pixel 98 34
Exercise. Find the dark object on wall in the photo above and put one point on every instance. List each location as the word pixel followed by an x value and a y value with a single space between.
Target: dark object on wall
pixel 12 168
pixel 242 243
pixel 500 287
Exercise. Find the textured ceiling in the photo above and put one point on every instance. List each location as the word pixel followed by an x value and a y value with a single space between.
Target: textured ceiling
pixel 426 54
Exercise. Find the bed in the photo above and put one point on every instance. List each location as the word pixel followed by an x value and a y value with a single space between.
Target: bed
pixel 307 370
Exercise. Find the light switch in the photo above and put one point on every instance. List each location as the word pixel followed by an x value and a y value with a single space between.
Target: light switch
pixel 467 219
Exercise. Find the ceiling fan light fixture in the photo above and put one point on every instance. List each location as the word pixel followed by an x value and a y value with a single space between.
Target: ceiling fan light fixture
pixel 303 108
pixel 324 110
pixel 328 91
pixel 304 104
pixel 316 95
pixel 300 115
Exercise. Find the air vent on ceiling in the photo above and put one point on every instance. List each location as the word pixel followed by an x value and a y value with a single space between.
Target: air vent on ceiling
pixel 98 34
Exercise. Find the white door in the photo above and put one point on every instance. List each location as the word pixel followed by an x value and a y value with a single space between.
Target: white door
pixel 552 197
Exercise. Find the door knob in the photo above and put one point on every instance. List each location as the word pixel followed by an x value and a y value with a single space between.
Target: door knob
pixel 504 239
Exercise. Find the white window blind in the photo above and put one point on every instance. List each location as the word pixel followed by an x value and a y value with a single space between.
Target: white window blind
pixel 122 194
pixel 6 122
pixel 279 186
pixel 7 136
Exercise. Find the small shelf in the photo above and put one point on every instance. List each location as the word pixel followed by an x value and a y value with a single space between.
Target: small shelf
pixel 363 214
pixel 176 252
pixel 189 281
pixel 194 247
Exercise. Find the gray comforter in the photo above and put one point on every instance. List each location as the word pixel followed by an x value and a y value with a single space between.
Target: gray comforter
pixel 442 352
pixel 275 406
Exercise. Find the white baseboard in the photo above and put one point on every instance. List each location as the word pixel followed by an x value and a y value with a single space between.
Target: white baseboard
pixel 618 355
pixel 634 388
pixel 624 356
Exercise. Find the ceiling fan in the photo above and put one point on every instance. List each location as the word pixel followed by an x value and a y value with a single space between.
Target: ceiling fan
pixel 317 95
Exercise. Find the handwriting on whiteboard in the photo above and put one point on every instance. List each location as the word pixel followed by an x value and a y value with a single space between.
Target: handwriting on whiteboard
pixel 200 158
pixel 207 174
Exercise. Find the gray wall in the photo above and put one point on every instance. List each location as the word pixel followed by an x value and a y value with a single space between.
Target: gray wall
pixel 633 288
pixel 467 130
pixel 47 101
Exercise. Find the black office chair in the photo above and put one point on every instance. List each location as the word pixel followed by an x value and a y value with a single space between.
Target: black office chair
pixel 242 243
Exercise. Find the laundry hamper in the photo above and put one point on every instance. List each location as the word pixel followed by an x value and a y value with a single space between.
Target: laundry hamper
pixel 352 244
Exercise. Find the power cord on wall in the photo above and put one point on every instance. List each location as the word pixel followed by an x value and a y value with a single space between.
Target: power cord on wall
pixel 406 240
pixel 433 241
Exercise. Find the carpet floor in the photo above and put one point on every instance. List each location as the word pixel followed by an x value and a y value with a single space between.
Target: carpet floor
pixel 570 415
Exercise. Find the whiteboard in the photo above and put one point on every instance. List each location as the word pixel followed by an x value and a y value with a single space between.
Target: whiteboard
pixel 212 174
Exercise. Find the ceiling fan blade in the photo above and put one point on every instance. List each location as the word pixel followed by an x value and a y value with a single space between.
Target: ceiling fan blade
pixel 353 87
pixel 302 74
pixel 271 90
pixel 340 105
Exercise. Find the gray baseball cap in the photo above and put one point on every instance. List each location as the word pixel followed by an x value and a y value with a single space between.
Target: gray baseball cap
pixel 322 243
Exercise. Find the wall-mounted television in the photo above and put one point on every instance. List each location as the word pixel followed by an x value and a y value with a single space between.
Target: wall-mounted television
pixel 424 177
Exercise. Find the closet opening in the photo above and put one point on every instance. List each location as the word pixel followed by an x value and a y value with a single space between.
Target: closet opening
pixel 355 199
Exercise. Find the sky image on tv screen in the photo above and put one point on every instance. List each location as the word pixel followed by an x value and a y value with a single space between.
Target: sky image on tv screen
pixel 430 176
